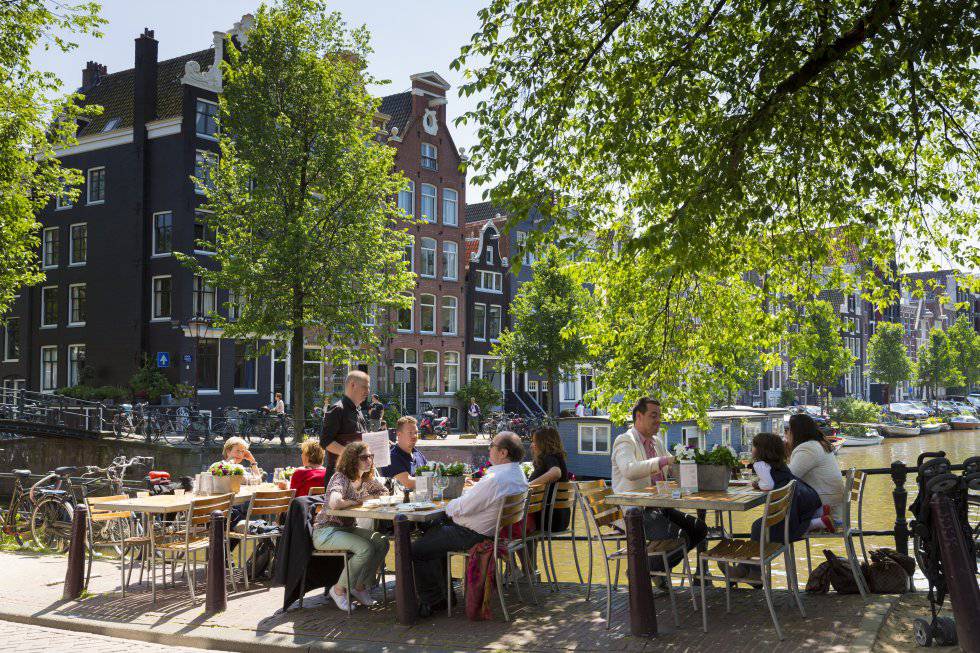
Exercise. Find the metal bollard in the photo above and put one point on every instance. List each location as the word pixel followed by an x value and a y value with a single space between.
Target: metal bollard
pixel 406 601
pixel 964 594
pixel 217 594
pixel 643 614
pixel 900 497
pixel 75 576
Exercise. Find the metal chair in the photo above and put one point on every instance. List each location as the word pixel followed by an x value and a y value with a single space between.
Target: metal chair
pixel 332 553
pixel 512 510
pixel 119 524
pixel 537 496
pixel 759 554
pixel 271 503
pixel 853 492
pixel 562 498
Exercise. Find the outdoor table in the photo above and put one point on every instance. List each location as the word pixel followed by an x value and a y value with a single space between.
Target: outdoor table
pixel 406 600
pixel 643 618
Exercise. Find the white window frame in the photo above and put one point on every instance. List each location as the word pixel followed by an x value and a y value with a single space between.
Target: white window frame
pixel 88 186
pixel 450 202
pixel 153 299
pixel 563 384
pixel 422 306
pixel 411 322
pixel 204 252
pixel 434 218
pixel 496 282
pixel 198 281
pixel 78 374
pixel 235 306
pixel 489 254
pixel 411 255
pixel 686 434
pixel 726 435
pixel 71 303
pixel 205 155
pixel 6 340
pixel 500 311
pixel 72 263
pixel 44 302
pixel 153 235
pixel 425 365
pixel 202 135
pixel 434 251
pixel 481 363
pixel 60 201
pixel 527 257
pixel 409 195
pixel 484 330
pixel 446 365
pixel 444 306
pixel 255 372
pixel 593 430
pixel 44 248
pixel 54 376
pixel 423 156
pixel 450 269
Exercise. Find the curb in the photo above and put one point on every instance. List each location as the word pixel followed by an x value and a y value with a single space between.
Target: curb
pixel 875 614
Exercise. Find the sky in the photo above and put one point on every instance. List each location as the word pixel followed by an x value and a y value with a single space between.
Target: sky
pixel 408 37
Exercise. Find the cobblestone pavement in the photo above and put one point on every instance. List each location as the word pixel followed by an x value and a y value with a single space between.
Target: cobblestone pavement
pixel 24 638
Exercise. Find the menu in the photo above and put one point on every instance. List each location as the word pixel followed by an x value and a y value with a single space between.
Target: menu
pixel 378 444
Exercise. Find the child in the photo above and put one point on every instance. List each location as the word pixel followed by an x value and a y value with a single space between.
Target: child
pixel 807 512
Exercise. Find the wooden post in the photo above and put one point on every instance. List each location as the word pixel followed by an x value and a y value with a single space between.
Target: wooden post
pixel 217 594
pixel 958 568
pixel 75 576
pixel 643 615
pixel 406 601
pixel 900 497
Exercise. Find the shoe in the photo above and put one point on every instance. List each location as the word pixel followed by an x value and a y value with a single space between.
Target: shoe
pixel 342 600
pixel 364 598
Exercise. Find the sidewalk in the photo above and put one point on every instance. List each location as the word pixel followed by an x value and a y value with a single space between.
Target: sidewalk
pixel 30 592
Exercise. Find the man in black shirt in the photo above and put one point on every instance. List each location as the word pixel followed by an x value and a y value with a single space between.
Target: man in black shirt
pixel 344 422
pixel 405 458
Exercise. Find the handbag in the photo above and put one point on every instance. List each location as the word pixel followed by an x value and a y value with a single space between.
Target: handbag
pixel 885 575
pixel 840 574
pixel 819 580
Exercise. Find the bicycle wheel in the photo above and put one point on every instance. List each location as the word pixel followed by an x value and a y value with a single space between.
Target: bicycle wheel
pixel 17 523
pixel 121 425
pixel 51 524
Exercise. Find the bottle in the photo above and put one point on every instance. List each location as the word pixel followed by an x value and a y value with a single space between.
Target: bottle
pixel 406 496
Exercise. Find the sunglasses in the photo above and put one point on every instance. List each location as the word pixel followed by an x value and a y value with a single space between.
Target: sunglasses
pixel 366 456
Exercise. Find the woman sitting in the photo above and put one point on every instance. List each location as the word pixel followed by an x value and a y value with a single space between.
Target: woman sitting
pixel 549 468
pixel 312 473
pixel 351 484
pixel 812 460
pixel 769 454
pixel 236 451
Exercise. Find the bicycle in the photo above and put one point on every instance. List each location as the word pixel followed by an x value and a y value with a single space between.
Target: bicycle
pixel 16 520
pixel 193 426
pixel 259 426
pixel 158 426
pixel 130 420
pixel 228 424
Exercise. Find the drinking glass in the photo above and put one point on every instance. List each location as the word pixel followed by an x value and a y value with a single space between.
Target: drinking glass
pixel 179 492
pixel 663 488
pixel 440 483
pixel 279 475
pixel 745 457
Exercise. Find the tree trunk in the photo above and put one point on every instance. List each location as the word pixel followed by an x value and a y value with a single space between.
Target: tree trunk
pixel 296 366
pixel 552 394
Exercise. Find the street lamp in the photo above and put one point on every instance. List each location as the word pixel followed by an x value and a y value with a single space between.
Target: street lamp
pixel 197 328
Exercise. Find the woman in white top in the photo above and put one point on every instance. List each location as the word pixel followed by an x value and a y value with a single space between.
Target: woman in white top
pixel 812 460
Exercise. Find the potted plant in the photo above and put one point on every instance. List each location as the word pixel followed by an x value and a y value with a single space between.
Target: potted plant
pixel 455 474
pixel 687 475
pixel 226 477
pixel 715 468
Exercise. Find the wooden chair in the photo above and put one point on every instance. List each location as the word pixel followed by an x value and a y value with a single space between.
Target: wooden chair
pixel 562 498
pixel 271 503
pixel 316 491
pixel 853 493
pixel 537 496
pixel 512 510
pixel 599 514
pixel 757 554
pixel 118 525
pixel 194 538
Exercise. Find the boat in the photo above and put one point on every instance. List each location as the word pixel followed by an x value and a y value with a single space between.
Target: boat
pixel 869 437
pixel 964 422
pixel 899 430
pixel 931 427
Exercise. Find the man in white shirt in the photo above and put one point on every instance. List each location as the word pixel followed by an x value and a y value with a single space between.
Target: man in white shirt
pixel 470 519
pixel 640 459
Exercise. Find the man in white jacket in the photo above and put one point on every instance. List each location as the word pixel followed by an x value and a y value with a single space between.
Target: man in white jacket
pixel 639 459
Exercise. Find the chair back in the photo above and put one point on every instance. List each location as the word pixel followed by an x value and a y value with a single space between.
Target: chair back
pixel 316 491
pixel 562 497
pixel 536 495
pixel 100 513
pixel 511 512
pixel 854 481
pixel 599 512
pixel 199 512
pixel 270 503
pixel 778 503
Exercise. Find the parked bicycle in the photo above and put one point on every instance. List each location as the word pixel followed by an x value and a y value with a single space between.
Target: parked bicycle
pixel 194 426
pixel 130 420
pixel 16 519
pixel 259 427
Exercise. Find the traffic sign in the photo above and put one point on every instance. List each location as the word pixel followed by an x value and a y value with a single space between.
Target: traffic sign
pixel 188 358
pixel 163 359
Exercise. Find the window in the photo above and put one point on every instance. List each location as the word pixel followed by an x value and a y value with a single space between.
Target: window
pixel 206 122
pixel 161 298
pixel 569 388
pixel 204 235
pixel 406 198
pixel 429 202
pixel 430 157
pixel 49 368
pixel 405 357
pixel 51 250
pixel 49 306
pixel 163 233
pixel 691 436
pixel 593 438
pixel 111 124
pixel 450 250
pixel 204 162
pixel 207 364
pixel 449 310
pixel 76 363
pixel 204 297
pixel 485 367
pixel 490 281
pixel 96 185
pixel 493 322
pixel 428 261
pixel 245 366
pixel 76 304
pixel 489 254
pixel 405 318
pixel 427 314
pixel 313 368
pixel 430 372
pixel 78 244
pixel 450 374
pixel 527 256
pixel 450 203
pixel 409 256
pixel 11 340
pixel 235 306
pixel 479 321
pixel 61 200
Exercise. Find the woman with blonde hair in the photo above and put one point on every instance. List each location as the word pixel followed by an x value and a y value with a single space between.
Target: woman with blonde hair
pixel 351 484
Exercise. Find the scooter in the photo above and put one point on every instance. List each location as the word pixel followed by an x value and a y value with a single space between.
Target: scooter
pixel 432 424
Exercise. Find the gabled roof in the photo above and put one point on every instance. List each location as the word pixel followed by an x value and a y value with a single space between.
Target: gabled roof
pixel 432 78
pixel 114 92
pixel 399 107
pixel 481 212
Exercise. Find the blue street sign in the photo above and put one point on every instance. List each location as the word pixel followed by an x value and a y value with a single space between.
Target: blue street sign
pixel 188 358
pixel 163 359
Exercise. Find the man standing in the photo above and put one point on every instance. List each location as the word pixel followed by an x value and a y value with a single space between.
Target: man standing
pixel 639 460
pixel 405 458
pixel 473 416
pixel 376 414
pixel 344 422
pixel 469 520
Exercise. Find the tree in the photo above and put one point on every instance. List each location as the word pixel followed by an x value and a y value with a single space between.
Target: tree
pixel 544 316
pixel 307 235
pixel 30 173
pixel 487 396
pixel 888 360
pixel 937 364
pixel 725 138
pixel 819 354
pixel 965 342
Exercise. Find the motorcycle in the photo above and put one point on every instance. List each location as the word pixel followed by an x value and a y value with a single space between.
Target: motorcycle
pixel 432 424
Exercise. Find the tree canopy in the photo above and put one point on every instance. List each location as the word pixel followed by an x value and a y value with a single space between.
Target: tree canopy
pixel 819 354
pixel 965 342
pixel 936 365
pixel 888 359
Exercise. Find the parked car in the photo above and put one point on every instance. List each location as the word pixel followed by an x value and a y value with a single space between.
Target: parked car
pixel 965 408
pixel 931 411
pixel 974 400
pixel 905 411
pixel 946 408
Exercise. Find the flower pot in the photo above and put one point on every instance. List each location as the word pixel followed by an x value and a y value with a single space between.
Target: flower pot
pixel 455 488
pixel 226 484
pixel 713 478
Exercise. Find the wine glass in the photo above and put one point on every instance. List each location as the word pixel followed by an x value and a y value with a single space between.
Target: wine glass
pixel 745 457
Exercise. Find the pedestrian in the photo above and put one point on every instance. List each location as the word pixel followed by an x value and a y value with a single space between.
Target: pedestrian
pixel 579 409
pixel 473 415
pixel 344 422
pixel 376 414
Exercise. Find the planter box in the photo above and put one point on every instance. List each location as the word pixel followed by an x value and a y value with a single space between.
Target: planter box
pixel 226 484
pixel 455 488
pixel 713 478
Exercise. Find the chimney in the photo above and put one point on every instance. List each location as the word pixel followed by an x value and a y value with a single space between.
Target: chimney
pixel 145 80
pixel 92 73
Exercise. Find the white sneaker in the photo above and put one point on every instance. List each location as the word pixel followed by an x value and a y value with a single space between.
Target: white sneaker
pixel 342 600
pixel 364 597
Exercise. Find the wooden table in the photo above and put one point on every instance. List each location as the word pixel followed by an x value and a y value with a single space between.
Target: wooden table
pixel 643 617
pixel 406 600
